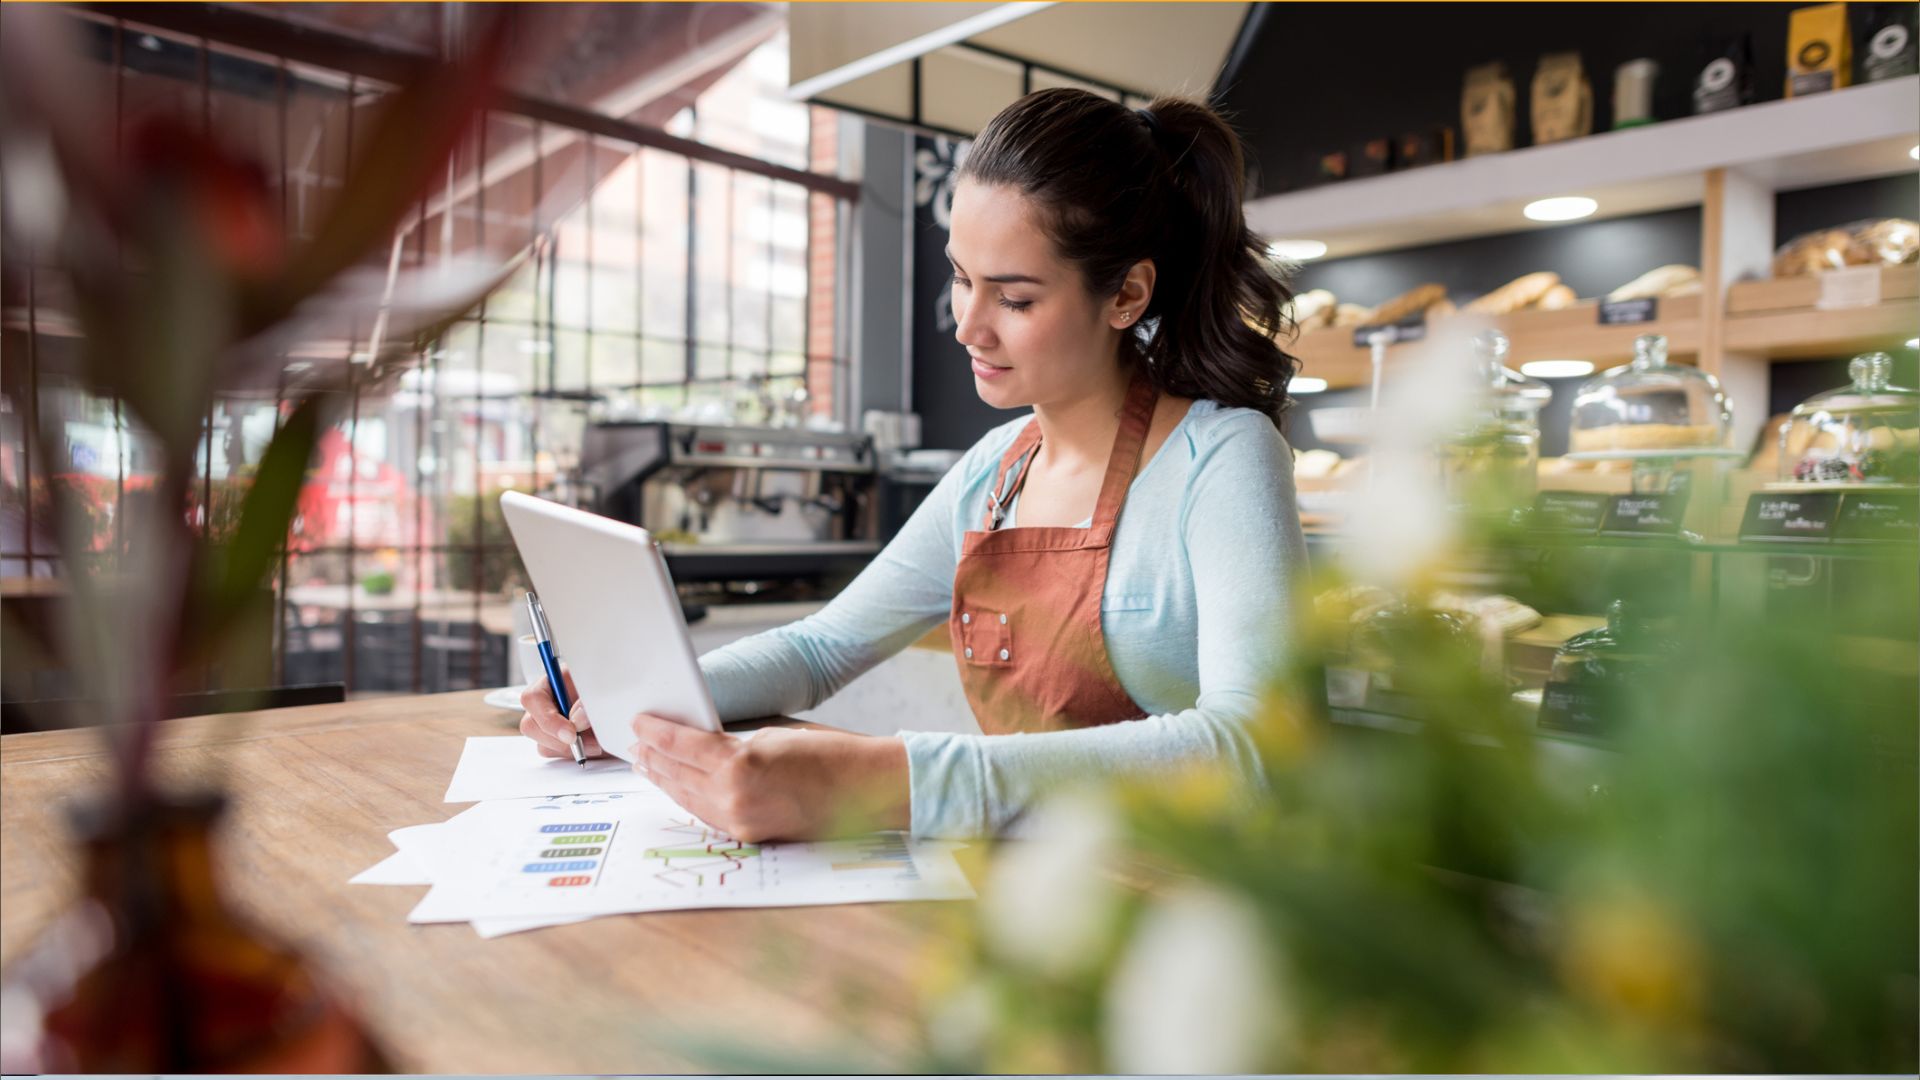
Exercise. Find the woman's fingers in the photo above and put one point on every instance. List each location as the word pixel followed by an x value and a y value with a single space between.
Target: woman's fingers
pixel 692 797
pixel 549 744
pixel 701 750
pixel 554 746
pixel 553 732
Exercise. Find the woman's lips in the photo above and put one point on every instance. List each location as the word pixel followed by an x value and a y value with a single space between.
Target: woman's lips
pixel 984 370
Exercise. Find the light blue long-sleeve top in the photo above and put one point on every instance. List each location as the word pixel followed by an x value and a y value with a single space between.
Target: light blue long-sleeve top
pixel 1196 609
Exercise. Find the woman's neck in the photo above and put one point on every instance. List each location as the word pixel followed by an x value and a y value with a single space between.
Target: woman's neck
pixel 1078 433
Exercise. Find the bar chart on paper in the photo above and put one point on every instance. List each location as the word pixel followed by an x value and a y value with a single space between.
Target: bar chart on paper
pixel 637 851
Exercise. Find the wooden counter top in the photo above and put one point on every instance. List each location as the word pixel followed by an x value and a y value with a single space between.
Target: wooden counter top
pixel 315 791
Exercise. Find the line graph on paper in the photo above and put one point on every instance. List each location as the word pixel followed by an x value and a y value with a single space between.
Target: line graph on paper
pixel 523 858
pixel 695 856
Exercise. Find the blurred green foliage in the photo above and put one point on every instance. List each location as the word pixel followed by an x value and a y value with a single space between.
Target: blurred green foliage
pixel 480 551
pixel 1726 883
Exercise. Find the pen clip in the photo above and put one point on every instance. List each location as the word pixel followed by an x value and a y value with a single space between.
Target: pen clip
pixel 541 632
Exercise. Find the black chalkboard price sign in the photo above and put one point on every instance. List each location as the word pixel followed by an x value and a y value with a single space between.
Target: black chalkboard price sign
pixel 1582 707
pixel 1629 312
pixel 1644 515
pixel 1879 517
pixel 1799 516
pixel 1569 511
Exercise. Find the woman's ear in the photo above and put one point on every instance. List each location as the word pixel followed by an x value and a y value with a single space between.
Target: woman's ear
pixel 1130 304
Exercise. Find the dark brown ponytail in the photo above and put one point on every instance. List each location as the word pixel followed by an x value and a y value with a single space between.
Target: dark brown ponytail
pixel 1117 185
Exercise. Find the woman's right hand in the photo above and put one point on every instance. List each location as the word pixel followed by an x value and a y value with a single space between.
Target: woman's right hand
pixel 550 731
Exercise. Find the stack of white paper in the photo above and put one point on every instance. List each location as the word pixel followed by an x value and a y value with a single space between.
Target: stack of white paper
pixel 550 842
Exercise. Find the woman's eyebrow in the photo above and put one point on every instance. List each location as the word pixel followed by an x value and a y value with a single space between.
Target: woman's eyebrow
pixel 1000 279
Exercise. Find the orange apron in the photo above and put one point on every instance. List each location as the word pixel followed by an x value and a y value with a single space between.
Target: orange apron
pixel 1025 623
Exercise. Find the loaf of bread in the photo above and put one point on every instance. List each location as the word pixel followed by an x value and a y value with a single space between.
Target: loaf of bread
pixel 1516 294
pixel 1827 249
pixel 1442 308
pixel 1560 296
pixel 1313 309
pixel 1891 241
pixel 1407 304
pixel 1350 315
pixel 1674 279
pixel 1314 464
pixel 1645 437
pixel 1504 612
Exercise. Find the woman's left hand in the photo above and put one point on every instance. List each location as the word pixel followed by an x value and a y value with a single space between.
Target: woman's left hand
pixel 782 784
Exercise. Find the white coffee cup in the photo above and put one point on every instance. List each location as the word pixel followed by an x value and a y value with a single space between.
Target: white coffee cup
pixel 527 654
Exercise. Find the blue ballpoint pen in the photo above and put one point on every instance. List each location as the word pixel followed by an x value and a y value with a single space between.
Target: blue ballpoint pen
pixel 543 640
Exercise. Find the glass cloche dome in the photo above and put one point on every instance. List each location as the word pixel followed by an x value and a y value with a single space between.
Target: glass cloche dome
pixel 1492 456
pixel 1867 432
pixel 1650 405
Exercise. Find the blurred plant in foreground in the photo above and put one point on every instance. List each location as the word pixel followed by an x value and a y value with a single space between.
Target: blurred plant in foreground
pixel 1727 883
pixel 185 287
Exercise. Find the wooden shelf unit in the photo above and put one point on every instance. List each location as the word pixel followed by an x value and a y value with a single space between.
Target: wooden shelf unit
pixel 1856 133
pixel 1571 333
pixel 1777 319
pixel 1730 164
pixel 1771 319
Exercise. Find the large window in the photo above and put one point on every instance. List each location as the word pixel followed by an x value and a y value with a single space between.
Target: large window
pixel 658 284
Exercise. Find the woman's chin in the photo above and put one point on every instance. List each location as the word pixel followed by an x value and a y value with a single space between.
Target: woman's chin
pixel 996 392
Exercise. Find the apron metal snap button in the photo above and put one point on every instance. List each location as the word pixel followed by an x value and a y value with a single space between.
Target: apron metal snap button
pixel 1003 654
pixel 969 654
pixel 1003 619
pixel 965 617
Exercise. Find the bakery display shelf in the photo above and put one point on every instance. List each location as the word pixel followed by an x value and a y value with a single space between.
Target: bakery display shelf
pixel 1858 133
pixel 1779 319
pixel 1570 333
pixel 1795 294
pixel 1677 453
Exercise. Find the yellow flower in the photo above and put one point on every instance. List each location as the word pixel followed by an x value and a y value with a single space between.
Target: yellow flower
pixel 1632 957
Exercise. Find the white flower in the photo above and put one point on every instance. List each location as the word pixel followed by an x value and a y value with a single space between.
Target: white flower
pixel 1194 992
pixel 1401 523
pixel 1048 904
pixel 961 1022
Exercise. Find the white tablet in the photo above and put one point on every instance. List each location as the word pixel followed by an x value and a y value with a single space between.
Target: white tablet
pixel 615 617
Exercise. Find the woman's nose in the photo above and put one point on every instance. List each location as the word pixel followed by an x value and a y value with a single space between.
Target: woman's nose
pixel 970 326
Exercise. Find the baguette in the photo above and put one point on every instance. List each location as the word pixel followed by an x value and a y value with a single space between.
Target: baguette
pixel 1412 302
pixel 1660 281
pixel 1516 294
pixel 1313 309
pixel 1560 296
pixel 1349 315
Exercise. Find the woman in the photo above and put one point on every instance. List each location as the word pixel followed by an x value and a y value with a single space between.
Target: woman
pixel 1103 275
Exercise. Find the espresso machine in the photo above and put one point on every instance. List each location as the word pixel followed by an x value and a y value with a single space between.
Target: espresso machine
pixel 740 512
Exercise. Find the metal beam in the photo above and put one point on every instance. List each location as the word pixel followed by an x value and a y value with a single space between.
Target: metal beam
pixel 342 52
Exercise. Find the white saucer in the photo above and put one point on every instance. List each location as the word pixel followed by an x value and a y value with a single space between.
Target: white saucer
pixel 506 697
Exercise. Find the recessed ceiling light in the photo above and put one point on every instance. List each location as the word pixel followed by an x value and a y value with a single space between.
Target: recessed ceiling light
pixel 1296 250
pixel 1557 369
pixel 1560 208
pixel 1912 343
pixel 1306 384
pixel 1914 153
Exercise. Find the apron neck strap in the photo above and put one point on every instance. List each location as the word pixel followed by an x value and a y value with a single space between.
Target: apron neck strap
pixel 1136 416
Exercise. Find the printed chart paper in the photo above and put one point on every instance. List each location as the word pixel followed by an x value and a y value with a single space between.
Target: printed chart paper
pixel 510 767
pixel 636 851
